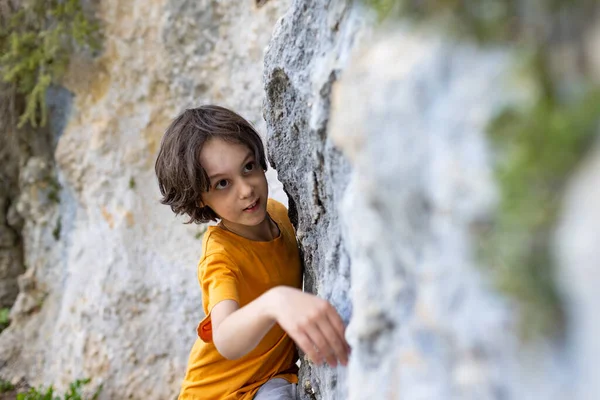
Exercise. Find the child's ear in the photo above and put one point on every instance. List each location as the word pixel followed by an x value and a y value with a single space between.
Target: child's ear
pixel 200 203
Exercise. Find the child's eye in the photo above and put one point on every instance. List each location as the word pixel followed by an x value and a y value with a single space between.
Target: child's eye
pixel 249 167
pixel 222 184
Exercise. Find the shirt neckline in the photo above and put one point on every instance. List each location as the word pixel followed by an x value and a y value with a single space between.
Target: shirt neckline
pixel 230 233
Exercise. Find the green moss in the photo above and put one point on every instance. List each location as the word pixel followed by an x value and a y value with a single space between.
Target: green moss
pixel 4 318
pixel 37 40
pixel 54 196
pixel 54 192
pixel 74 392
pixel 539 150
pixel 6 386
pixel 132 183
pixel 483 20
pixel 57 229
pixel 478 19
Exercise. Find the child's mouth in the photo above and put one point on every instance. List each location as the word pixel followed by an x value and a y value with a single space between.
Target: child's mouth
pixel 253 206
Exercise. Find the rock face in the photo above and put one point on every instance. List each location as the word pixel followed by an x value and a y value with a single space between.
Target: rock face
pixel 425 324
pixel 298 84
pixel 28 189
pixel 577 242
pixel 378 135
pixel 110 291
pixel 11 250
pixel 384 156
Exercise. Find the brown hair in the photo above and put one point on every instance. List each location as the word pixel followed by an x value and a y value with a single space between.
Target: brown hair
pixel 181 178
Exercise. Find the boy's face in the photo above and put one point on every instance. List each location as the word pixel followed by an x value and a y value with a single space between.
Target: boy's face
pixel 238 186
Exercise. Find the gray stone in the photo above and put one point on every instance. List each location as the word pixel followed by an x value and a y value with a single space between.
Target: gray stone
pixel 8 292
pixel 577 247
pixel 298 83
pixel 378 137
pixel 10 241
pixel 115 295
pixel 8 237
pixel 10 262
pixel 386 163
pixel 13 218
pixel 421 178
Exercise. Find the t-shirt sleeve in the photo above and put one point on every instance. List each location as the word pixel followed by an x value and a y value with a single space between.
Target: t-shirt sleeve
pixel 219 280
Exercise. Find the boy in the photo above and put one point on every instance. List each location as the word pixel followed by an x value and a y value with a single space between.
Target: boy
pixel 211 166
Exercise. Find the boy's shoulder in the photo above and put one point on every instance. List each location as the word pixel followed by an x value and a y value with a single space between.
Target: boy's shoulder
pixel 277 210
pixel 215 241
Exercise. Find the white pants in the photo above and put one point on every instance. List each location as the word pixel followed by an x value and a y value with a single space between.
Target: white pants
pixel 277 389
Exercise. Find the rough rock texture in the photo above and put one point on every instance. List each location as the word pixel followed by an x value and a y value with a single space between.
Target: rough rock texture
pixel 27 177
pixel 577 242
pixel 379 140
pixel 110 290
pixel 385 160
pixel 309 48
pixel 11 250
pixel 425 323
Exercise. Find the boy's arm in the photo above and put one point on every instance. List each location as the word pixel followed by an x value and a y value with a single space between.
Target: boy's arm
pixel 310 321
pixel 229 320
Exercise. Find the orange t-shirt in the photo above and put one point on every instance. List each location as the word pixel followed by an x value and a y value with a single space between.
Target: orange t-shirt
pixel 236 268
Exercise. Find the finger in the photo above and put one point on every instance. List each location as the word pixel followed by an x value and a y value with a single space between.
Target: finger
pixel 340 328
pixel 322 344
pixel 306 344
pixel 336 342
pixel 336 321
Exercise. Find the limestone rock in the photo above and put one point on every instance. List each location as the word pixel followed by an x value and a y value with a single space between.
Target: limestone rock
pixel 10 223
pixel 378 138
pixel 111 291
pixel 577 247
pixel 380 142
pixel 309 48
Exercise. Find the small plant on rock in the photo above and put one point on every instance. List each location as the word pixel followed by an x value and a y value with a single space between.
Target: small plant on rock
pixel 4 318
pixel 37 38
pixel 74 392
pixel 6 386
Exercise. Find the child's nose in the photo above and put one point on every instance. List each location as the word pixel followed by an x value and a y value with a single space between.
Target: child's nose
pixel 246 190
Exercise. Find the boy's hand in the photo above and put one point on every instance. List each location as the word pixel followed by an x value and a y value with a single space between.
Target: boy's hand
pixel 312 323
